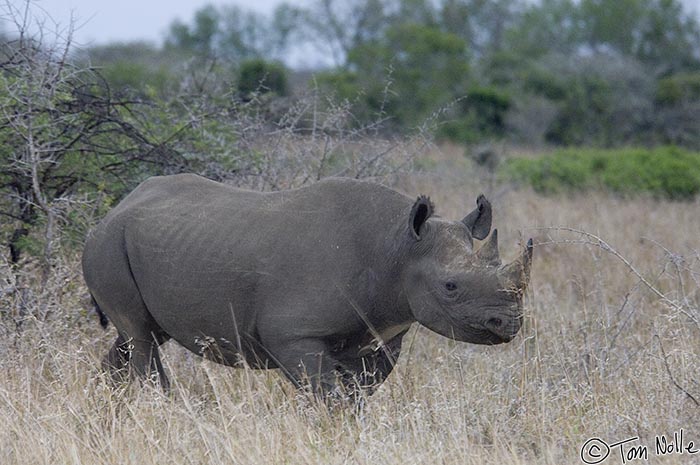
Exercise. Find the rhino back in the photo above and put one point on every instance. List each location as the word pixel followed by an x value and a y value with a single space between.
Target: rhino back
pixel 211 260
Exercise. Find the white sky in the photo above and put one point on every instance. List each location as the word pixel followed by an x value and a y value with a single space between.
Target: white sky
pixel 102 21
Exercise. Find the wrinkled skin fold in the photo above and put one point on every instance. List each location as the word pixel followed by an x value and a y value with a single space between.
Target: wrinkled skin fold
pixel 321 282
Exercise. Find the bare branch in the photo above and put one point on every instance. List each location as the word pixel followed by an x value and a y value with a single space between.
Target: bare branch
pixel 595 240
pixel 670 374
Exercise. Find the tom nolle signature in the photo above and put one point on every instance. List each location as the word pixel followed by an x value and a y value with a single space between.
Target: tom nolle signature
pixel 595 450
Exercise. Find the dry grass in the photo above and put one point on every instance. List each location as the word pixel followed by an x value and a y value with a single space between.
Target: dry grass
pixel 588 362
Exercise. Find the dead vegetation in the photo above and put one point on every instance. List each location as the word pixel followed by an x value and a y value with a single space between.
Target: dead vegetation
pixel 609 349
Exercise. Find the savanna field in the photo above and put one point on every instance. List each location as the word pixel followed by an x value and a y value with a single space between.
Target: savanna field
pixel 579 120
pixel 609 349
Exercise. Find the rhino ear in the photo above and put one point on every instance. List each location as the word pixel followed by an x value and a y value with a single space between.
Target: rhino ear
pixel 420 213
pixel 479 220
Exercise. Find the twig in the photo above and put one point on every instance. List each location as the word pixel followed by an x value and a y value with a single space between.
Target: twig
pixel 597 241
pixel 673 379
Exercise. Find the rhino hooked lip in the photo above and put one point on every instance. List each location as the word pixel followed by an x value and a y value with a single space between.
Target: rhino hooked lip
pixel 494 332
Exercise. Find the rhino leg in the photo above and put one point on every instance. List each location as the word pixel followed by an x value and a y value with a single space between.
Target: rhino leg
pixel 135 352
pixel 117 359
pixel 307 363
pixel 130 357
pixel 145 361
pixel 372 370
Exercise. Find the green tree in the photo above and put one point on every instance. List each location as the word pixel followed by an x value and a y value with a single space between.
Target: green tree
pixel 657 32
pixel 546 27
pixel 411 72
pixel 670 38
pixel 612 25
pixel 260 76
pixel 199 37
pixel 335 27
pixel 482 24
pixel 480 115
pixel 136 69
pixel 233 34
pixel 61 132
pixel 66 134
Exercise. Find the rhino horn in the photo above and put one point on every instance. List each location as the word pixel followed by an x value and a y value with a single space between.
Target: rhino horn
pixel 518 271
pixel 479 220
pixel 489 251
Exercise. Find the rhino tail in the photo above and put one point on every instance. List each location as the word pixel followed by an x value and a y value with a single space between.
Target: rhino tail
pixel 104 321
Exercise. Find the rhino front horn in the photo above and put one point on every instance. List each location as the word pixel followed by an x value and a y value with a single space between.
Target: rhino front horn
pixel 518 272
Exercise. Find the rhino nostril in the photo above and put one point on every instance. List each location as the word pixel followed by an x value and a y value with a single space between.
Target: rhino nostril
pixel 494 322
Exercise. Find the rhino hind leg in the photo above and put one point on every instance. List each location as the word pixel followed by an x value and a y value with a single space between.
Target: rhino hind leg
pixel 116 361
pixel 130 357
pixel 135 352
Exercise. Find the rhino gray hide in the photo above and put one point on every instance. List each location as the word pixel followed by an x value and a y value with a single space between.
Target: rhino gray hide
pixel 322 281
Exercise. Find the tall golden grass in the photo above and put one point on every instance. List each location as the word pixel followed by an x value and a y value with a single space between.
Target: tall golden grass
pixel 600 355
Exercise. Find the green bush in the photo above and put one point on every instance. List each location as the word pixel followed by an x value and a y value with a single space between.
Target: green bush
pixel 679 87
pixel 667 172
pixel 261 76
pixel 481 114
pixel 406 74
pixel 142 79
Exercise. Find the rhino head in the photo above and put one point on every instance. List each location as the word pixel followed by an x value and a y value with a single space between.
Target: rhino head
pixel 458 292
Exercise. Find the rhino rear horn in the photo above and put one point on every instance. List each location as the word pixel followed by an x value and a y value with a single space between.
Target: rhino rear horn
pixel 479 220
pixel 489 251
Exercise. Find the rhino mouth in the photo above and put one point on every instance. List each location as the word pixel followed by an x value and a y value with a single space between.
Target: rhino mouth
pixel 487 332
pixel 483 335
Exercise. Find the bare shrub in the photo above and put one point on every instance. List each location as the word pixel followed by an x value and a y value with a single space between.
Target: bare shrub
pixel 318 137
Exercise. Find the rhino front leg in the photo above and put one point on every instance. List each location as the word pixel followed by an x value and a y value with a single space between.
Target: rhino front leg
pixel 372 369
pixel 309 365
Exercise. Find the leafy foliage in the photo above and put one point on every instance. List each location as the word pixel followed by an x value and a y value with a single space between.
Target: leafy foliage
pixel 69 140
pixel 599 72
pixel 679 88
pixel 665 172
pixel 135 69
pixel 408 73
pixel 481 114
pixel 260 76
pixel 230 33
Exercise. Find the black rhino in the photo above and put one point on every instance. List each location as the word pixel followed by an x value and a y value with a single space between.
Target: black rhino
pixel 321 281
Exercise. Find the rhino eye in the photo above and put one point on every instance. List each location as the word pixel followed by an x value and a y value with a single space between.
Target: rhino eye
pixel 450 286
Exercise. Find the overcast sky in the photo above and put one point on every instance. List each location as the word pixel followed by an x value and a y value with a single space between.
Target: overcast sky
pixel 102 21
